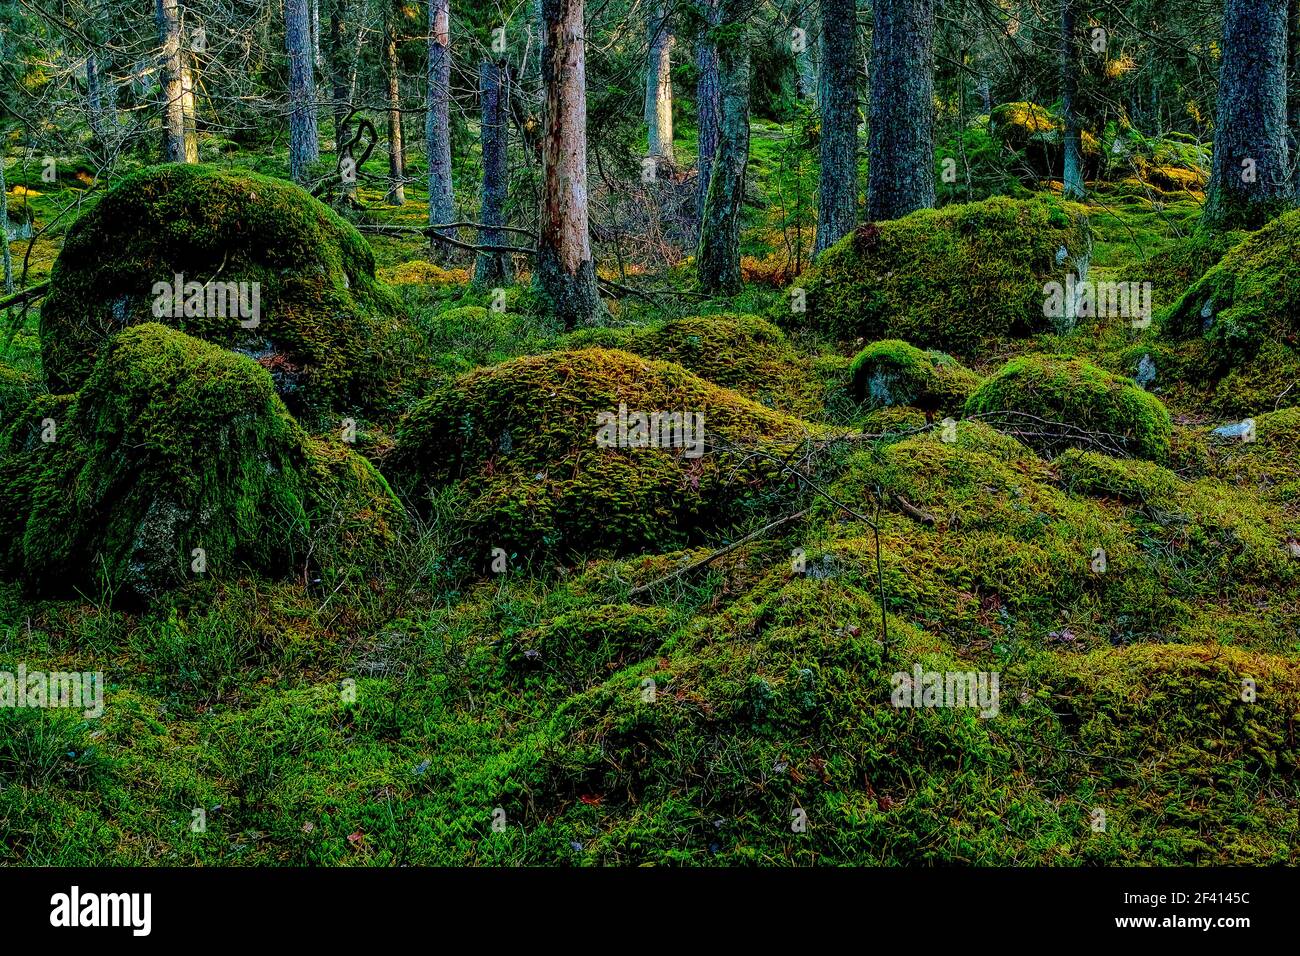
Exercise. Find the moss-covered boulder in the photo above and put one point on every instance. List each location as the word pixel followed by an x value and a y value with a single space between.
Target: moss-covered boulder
pixel 893 372
pixel 1038 135
pixel 557 456
pixel 276 275
pixel 1244 312
pixel 952 278
pixel 1054 402
pixel 177 458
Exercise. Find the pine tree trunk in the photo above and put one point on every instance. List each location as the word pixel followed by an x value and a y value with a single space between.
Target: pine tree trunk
pixel 95 102
pixel 1293 90
pixel 900 169
pixel 191 111
pixel 317 60
pixel 396 157
pixel 339 69
pixel 565 273
pixel 167 15
pixel 304 148
pixel 809 61
pixel 494 269
pixel 1249 181
pixel 837 187
pixel 437 122
pixel 717 259
pixel 1072 173
pixel 707 106
pixel 659 86
pixel 4 233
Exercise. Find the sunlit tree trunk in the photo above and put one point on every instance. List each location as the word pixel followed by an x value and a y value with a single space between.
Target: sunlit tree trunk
pixel 566 273
pixel 900 166
pixel 659 86
pixel 717 259
pixel 396 156
pixel 1249 179
pixel 837 188
pixel 167 15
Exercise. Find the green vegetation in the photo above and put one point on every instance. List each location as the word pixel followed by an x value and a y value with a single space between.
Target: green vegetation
pixel 895 373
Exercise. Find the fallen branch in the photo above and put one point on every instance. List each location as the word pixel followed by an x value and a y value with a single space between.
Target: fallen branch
pixel 710 558
pixel 30 294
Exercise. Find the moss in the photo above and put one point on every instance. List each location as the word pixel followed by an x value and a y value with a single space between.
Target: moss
pixel 893 372
pixel 1172 270
pixel 1037 135
pixel 328 331
pixel 16 390
pixel 584 646
pixel 521 437
pixel 174 445
pixel 1244 309
pixel 957 278
pixel 1054 402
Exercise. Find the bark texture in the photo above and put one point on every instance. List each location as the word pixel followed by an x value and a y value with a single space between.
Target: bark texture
pixel 837 186
pixel 566 274
pixel 493 269
pixel 304 148
pixel 707 106
pixel 167 16
pixel 437 123
pixel 396 155
pixel 900 171
pixel 1249 177
pixel 659 85
pixel 1072 172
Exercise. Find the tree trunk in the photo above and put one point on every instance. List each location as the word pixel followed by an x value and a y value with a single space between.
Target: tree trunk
pixel 396 157
pixel 437 121
pixel 167 15
pixel 304 149
pixel 565 273
pixel 1072 173
pixel 191 111
pixel 1249 177
pixel 900 170
pixel 342 95
pixel 837 187
pixel 4 233
pixel 494 268
pixel 717 259
pixel 659 86
pixel 707 106
pixel 95 102
pixel 809 61
pixel 317 60
pixel 1293 89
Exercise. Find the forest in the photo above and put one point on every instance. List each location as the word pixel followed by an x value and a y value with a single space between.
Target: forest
pixel 623 432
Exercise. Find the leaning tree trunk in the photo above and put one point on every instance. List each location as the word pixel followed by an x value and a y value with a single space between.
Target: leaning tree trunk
pixel 494 269
pixel 167 14
pixel 304 149
pixel 396 157
pixel 1249 177
pixel 566 274
pixel 437 117
pixel 339 67
pixel 707 106
pixel 659 85
pixel 900 168
pixel 837 187
pixel 717 260
pixel 1072 173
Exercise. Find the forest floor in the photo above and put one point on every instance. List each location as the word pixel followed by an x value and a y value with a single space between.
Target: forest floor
pixel 739 713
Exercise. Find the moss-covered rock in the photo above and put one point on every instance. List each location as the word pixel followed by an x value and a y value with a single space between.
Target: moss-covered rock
pixel 177 458
pixel 1053 402
pixel 1246 306
pixel 893 372
pixel 324 328
pixel 1038 135
pixel 522 437
pixel 952 278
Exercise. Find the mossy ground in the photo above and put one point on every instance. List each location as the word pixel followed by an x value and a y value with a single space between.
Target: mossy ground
pixel 348 717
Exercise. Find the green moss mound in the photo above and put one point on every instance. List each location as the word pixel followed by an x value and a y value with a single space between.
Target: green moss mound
pixel 16 390
pixel 954 278
pixel 328 332
pixel 521 437
pixel 1238 322
pixel 175 445
pixel 1053 402
pixel 893 372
